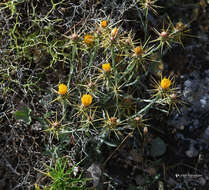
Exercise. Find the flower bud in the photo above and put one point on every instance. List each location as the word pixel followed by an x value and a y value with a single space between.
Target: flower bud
pixel 114 33
pixel 138 50
pixel 55 124
pixel 173 96
pixel 103 24
pixel 91 84
pixel 145 130
pixel 164 34
pixel 113 120
pixel 179 26
pixel 137 119
pixel 74 36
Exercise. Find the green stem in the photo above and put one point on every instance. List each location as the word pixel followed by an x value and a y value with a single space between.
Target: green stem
pixel 146 108
pixel 93 55
pixel 146 25
pixel 72 64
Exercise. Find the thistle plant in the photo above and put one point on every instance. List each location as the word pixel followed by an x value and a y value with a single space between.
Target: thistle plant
pixel 109 94
pixel 101 72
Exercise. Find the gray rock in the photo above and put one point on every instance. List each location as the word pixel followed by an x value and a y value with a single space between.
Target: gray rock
pixel 192 152
pixel 95 172
pixel 172 182
pixel 187 83
pixel 206 135
pixel 202 181
pixel 139 180
pixel 2 184
pixel 178 122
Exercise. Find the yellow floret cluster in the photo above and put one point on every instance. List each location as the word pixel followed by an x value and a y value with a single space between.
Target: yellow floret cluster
pixel 62 89
pixel 138 50
pixel 89 39
pixel 165 83
pixel 103 24
pixel 86 99
pixel 106 67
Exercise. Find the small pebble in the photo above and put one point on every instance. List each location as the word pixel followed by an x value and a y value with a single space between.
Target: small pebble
pixel 139 180
pixel 203 102
pixel 172 182
pixel 192 152
pixel 187 83
pixel 206 135
pixel 202 181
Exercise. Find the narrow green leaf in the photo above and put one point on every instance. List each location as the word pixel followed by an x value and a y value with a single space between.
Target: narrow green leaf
pixel 110 144
pixel 128 70
pixel 134 82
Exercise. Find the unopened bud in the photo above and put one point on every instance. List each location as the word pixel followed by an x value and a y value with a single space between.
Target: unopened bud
pixel 91 84
pixel 74 36
pixel 145 130
pixel 114 33
pixel 118 58
pixel 179 26
pixel 55 124
pixel 128 41
pixel 137 119
pixel 99 31
pixel 173 96
pixel 164 34
pixel 63 10
pixel 113 120
pixel 128 100
pixel 138 50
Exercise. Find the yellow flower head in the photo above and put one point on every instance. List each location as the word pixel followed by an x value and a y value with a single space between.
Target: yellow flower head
pixel 88 39
pixel 138 50
pixel 103 24
pixel 86 99
pixel 106 67
pixel 114 32
pixel 62 89
pixel 165 83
